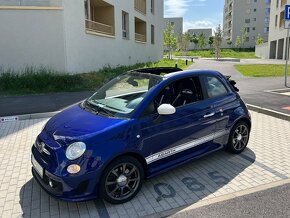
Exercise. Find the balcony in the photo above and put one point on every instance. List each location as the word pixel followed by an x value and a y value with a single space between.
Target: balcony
pixel 140 5
pixel 140 38
pixel 99 27
pixel 100 17
pixel 282 21
pixel 140 30
pixel 37 3
pixel 283 3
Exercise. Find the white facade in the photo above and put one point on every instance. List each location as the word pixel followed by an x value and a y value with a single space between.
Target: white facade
pixel 275 48
pixel 62 35
pixel 251 15
pixel 277 35
pixel 177 22
pixel 207 32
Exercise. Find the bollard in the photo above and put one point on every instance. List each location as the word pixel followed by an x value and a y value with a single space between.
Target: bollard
pixel 186 62
pixel 191 59
pixel 176 65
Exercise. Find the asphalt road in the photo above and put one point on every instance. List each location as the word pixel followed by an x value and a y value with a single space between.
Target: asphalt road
pixel 274 202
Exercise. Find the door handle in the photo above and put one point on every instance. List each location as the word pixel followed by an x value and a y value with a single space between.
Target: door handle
pixel 209 115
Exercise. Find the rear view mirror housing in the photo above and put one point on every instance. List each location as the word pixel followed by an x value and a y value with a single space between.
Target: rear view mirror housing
pixel 166 109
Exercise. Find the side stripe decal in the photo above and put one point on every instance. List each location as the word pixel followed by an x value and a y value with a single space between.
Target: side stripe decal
pixel 171 151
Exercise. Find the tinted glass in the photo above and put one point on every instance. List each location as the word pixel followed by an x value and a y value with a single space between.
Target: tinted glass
pixel 214 87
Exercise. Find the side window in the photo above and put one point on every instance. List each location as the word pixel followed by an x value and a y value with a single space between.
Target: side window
pixel 178 93
pixel 214 87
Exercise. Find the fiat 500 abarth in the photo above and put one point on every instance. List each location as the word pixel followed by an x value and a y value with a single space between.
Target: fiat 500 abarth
pixel 136 126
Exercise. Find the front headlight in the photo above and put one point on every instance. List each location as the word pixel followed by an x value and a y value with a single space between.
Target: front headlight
pixel 75 150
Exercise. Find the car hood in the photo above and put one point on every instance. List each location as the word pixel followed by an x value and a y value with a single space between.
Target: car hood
pixel 75 123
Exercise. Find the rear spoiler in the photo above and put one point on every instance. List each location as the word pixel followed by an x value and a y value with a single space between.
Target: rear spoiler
pixel 232 82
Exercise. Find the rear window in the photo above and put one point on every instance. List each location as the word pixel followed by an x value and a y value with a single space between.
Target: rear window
pixel 214 87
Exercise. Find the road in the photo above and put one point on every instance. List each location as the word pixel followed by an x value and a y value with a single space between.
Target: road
pixel 274 202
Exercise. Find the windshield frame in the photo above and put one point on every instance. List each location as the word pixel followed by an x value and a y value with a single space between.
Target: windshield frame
pixel 119 115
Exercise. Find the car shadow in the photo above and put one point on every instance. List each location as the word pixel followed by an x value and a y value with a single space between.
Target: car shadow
pixel 209 177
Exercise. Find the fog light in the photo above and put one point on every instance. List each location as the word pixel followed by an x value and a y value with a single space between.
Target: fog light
pixel 73 169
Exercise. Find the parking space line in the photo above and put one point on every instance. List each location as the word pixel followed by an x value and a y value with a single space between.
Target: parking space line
pixel 269 169
pixel 101 208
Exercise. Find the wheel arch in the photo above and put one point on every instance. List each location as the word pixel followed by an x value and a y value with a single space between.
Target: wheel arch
pixel 135 155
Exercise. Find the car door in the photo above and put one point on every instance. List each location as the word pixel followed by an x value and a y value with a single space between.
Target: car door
pixel 225 102
pixel 167 140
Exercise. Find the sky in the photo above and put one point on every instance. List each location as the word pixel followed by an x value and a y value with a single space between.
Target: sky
pixel 196 13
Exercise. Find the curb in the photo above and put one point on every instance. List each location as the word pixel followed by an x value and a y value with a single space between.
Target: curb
pixel 269 112
pixel 31 116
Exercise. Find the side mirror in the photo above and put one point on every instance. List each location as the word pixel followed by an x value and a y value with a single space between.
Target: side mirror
pixel 166 109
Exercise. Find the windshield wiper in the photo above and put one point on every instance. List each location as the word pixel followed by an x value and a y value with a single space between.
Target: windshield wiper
pixel 96 109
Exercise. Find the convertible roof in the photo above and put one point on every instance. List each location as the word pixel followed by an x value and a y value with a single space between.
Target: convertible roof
pixel 158 70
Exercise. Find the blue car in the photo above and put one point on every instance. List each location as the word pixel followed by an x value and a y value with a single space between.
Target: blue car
pixel 138 125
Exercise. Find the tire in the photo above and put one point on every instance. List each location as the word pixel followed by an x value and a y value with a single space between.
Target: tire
pixel 121 180
pixel 238 138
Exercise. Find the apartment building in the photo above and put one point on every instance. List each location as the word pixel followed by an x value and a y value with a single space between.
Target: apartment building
pixel 253 16
pixel 207 32
pixel 80 35
pixel 177 22
pixel 278 34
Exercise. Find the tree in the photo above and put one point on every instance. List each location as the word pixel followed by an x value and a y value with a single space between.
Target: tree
pixel 170 41
pixel 218 34
pixel 210 41
pixel 244 36
pixel 194 39
pixel 201 40
pixel 260 40
pixel 229 42
pixel 238 42
pixel 183 41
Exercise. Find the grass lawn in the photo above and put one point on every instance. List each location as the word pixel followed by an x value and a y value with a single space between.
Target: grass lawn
pixel 262 70
pixel 225 53
pixel 36 81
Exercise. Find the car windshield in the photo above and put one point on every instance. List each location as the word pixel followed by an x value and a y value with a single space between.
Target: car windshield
pixel 122 95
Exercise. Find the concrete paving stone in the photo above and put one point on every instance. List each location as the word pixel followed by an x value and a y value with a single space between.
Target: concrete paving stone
pixel 26 195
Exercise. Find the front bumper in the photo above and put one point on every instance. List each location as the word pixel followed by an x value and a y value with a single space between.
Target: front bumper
pixel 68 188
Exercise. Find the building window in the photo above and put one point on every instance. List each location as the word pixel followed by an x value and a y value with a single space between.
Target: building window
pixel 266 29
pixel 152 6
pixel 172 23
pixel 255 9
pixel 268 2
pixel 267 11
pixel 276 20
pixel 255 1
pixel 247 29
pixel 125 25
pixel 152 34
pixel 247 20
pixel 254 19
pixel 86 9
pixel 254 28
pixel 140 30
pixel 101 17
pixel 277 3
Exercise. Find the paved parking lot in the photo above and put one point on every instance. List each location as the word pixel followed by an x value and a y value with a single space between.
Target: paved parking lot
pixel 266 160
